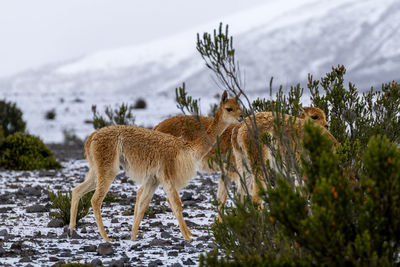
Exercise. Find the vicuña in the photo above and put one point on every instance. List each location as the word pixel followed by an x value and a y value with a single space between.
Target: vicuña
pixel 248 157
pixel 151 158
pixel 189 127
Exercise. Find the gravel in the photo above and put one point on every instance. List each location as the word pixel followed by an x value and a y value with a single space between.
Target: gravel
pixel 30 237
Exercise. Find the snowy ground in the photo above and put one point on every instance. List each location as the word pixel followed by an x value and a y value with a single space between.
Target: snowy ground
pixel 26 238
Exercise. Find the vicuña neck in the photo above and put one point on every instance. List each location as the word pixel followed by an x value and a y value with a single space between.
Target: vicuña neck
pixel 206 140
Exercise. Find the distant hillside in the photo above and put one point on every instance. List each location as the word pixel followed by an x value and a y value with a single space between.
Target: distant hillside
pixel 285 39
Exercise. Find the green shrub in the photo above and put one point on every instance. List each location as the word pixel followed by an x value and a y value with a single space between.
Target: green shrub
pixel 10 118
pixel 348 212
pixel 62 202
pixel 140 104
pixel 121 115
pixel 21 151
pixel 51 114
pixel 332 221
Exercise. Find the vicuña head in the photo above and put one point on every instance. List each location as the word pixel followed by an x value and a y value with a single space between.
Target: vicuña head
pixel 150 158
pixel 317 115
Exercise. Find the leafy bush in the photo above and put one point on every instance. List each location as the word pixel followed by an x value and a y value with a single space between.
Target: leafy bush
pixel 62 202
pixel 51 114
pixel 333 220
pixel 10 118
pixel 21 151
pixel 354 118
pixel 140 104
pixel 348 212
pixel 121 115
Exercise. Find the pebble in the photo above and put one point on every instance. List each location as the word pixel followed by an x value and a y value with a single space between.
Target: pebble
pixel 173 253
pixel 90 248
pixel 96 262
pixel 36 208
pixel 155 263
pixel 165 235
pixel 160 242
pixel 2 251
pixel 3 232
pixel 55 223
pixel 105 249
pixel 188 262
pixel 186 196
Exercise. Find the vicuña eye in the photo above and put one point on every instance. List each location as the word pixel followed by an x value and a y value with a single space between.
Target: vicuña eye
pixel 314 117
pixel 229 109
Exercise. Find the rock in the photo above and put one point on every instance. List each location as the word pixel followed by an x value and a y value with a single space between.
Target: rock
pixel 4 232
pixel 2 251
pixel 188 262
pixel 5 209
pixel 51 235
pixel 55 223
pixel 105 249
pixel 160 242
pixel 90 248
pixel 25 259
pixel 191 224
pixel 96 262
pixel 165 235
pixel 187 244
pixel 84 231
pixel 203 238
pixel 114 220
pixel 116 263
pixel 47 173
pixel 173 253
pixel 36 208
pixel 189 203
pixel 53 259
pixel 33 191
pixel 176 265
pixel 155 263
pixel 75 235
pixel 16 245
pixel 186 196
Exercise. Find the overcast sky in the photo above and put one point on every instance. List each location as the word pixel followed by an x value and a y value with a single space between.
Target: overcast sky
pixel 33 33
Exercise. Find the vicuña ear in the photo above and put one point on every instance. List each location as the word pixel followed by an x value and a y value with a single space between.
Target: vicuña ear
pixel 224 97
pixel 302 113
pixel 238 95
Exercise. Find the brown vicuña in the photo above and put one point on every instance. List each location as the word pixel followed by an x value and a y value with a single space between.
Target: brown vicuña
pixel 151 158
pixel 248 157
pixel 188 128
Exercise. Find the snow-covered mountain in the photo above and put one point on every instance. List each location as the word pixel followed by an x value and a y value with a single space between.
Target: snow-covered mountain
pixel 286 39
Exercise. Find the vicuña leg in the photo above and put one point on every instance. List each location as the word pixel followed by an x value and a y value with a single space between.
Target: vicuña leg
pixel 104 180
pixel 222 194
pixel 176 206
pixel 143 198
pixel 88 185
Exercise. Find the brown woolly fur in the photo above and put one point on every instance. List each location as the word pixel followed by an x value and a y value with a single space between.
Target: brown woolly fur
pixel 188 127
pixel 245 151
pixel 150 158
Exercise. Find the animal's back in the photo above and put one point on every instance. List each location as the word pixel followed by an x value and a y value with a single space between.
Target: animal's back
pixel 141 152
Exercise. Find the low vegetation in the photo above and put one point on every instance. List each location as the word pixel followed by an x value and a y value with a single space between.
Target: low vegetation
pixel 62 203
pixel 11 120
pixel 121 115
pixel 21 151
pixel 347 211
